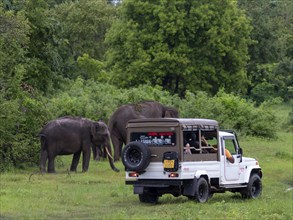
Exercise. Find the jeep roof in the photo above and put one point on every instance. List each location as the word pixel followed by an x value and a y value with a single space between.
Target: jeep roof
pixel 182 121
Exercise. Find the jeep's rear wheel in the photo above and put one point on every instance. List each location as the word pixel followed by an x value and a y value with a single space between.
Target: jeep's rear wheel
pixel 254 188
pixel 149 198
pixel 136 156
pixel 202 190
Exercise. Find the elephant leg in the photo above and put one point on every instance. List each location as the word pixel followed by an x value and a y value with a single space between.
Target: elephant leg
pixel 51 164
pixel 100 150
pixel 120 148
pixel 44 157
pixel 75 161
pixel 86 155
pixel 98 154
pixel 95 152
pixel 103 151
pixel 117 144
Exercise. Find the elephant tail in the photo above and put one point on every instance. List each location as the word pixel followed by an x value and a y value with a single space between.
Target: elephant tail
pixel 44 152
pixel 43 142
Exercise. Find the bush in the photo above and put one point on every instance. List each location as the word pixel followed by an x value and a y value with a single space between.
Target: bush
pixel 97 100
pixel 232 112
pixel 22 119
pixel 94 100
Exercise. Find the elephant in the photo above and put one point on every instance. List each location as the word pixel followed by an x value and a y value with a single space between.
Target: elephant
pixel 73 135
pixel 99 152
pixel 145 109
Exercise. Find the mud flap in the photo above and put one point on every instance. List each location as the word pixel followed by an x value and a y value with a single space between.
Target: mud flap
pixel 138 190
pixel 189 187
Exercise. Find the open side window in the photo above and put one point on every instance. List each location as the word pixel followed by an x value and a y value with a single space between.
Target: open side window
pixel 231 146
pixel 203 143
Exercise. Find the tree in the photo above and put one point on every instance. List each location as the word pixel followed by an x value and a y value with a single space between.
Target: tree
pixel 47 55
pixel 270 66
pixel 84 24
pixel 180 45
pixel 21 111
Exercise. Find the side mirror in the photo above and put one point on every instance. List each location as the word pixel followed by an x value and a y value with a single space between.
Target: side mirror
pixel 240 151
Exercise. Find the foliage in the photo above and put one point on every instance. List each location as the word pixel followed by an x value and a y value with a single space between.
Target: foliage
pixel 84 98
pixel 21 111
pixel 86 35
pixel 99 101
pixel 21 119
pixel 272 81
pixel 179 45
pixel 58 36
pixel 44 61
pixel 90 68
pixel 273 35
pixel 96 100
pixel 231 111
pixel 13 44
pixel 53 63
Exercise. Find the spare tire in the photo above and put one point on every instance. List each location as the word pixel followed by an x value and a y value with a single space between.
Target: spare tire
pixel 136 156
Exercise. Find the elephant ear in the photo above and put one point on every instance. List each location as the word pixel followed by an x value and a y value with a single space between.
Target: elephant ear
pixel 99 128
pixel 171 113
pixel 94 129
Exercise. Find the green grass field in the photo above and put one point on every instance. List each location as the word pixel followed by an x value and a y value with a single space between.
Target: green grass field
pixel 102 194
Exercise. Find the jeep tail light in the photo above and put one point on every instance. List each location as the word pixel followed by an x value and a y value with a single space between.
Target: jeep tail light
pixel 133 174
pixel 173 175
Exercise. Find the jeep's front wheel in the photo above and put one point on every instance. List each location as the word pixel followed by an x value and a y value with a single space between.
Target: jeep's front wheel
pixel 202 190
pixel 254 188
pixel 136 156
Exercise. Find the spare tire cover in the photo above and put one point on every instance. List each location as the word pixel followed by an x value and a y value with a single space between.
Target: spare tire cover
pixel 136 156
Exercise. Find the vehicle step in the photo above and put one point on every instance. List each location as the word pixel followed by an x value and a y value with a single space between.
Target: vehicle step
pixel 229 186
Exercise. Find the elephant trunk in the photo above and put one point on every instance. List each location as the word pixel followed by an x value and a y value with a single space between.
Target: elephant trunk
pixel 111 160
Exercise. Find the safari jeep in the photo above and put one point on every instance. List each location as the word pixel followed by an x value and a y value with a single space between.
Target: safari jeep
pixel 156 163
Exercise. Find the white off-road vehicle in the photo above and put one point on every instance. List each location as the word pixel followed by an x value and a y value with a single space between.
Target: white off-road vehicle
pixel 156 162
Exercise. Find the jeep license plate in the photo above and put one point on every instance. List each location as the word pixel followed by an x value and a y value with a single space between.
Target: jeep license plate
pixel 169 164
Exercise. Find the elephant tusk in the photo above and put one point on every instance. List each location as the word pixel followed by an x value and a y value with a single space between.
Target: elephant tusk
pixel 108 153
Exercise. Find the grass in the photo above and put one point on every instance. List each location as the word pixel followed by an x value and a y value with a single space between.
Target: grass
pixel 102 194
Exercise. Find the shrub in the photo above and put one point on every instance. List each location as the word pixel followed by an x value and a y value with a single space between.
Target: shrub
pixel 22 119
pixel 231 111
pixel 26 115
pixel 97 100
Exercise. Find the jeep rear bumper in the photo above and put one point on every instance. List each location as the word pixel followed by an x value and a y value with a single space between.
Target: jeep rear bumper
pixel 160 187
pixel 155 183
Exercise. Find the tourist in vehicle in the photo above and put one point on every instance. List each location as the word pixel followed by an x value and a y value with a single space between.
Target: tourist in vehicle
pixel 187 149
pixel 189 141
pixel 228 155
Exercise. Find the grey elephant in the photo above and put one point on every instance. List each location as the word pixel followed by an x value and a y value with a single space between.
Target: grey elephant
pixel 73 135
pixel 99 152
pixel 146 109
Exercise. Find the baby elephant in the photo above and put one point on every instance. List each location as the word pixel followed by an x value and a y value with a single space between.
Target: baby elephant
pixel 73 135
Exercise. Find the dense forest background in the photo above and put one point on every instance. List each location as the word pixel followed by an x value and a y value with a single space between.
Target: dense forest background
pixel 224 59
